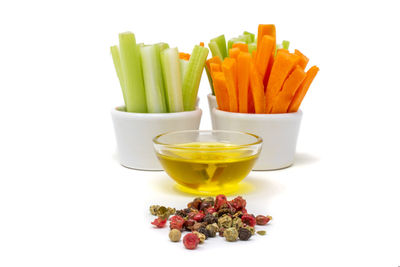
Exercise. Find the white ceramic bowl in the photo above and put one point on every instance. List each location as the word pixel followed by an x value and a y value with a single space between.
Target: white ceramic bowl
pixel 278 131
pixel 212 103
pixel 135 131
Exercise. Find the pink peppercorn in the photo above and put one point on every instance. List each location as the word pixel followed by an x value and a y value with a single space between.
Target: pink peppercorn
pixel 159 223
pixel 198 217
pixel 191 241
pixel 249 220
pixel 176 222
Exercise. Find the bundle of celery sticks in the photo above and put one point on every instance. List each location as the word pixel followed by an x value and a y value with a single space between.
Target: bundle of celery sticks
pixel 156 78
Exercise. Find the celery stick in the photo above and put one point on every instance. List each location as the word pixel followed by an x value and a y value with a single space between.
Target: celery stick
pixel 192 78
pixel 278 46
pixel 252 47
pixel 153 80
pixel 161 47
pixel 172 79
pixel 132 72
pixel 215 50
pixel 231 42
pixel 183 66
pixel 220 40
pixel 285 44
pixel 252 36
pixel 245 38
pixel 117 64
pixel 210 80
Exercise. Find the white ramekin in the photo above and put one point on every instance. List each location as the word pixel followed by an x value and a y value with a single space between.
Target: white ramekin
pixel 278 131
pixel 212 103
pixel 134 133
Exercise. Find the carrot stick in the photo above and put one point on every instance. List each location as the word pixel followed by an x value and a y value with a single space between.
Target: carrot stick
pixel 202 44
pixel 250 108
pixel 184 56
pixel 303 59
pixel 257 88
pixel 234 52
pixel 215 59
pixel 264 53
pixel 214 67
pixel 221 91
pixel 282 101
pixel 243 73
pixel 283 65
pixel 254 54
pixel 265 29
pixel 302 90
pixel 229 70
pixel 242 46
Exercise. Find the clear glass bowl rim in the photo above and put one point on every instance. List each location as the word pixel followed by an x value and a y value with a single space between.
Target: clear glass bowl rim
pixel 258 140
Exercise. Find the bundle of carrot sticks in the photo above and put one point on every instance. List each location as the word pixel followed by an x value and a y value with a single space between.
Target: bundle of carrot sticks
pixel 269 79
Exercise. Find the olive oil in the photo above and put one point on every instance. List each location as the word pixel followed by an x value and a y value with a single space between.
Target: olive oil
pixel 208 167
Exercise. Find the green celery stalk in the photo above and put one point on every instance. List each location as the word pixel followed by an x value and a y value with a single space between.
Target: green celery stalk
pixel 215 50
pixel 153 80
pixel 252 36
pixel 172 79
pixel 192 78
pixel 220 40
pixel 231 42
pixel 117 64
pixel 183 66
pixel 285 44
pixel 245 38
pixel 132 73
pixel 161 47
pixel 210 80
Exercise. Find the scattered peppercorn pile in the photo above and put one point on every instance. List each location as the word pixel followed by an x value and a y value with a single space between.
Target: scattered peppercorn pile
pixel 207 217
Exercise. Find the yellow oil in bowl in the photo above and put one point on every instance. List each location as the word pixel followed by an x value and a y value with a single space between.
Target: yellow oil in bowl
pixel 208 166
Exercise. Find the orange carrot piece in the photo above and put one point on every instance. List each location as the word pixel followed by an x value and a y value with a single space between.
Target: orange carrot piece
pixel 257 88
pixel 264 54
pixel 243 74
pixel 234 52
pixel 265 29
pixel 215 60
pixel 250 108
pixel 283 65
pixel 221 91
pixel 254 54
pixel 242 46
pixel 229 69
pixel 302 90
pixel 184 56
pixel 202 44
pixel 214 67
pixel 282 101
pixel 303 59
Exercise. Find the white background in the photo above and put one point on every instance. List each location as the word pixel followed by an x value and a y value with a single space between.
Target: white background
pixel 65 200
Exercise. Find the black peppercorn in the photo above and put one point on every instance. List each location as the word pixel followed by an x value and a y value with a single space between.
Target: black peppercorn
pixel 210 219
pixel 203 230
pixel 244 234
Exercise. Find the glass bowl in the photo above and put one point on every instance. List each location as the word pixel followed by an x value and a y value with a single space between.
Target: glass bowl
pixel 212 161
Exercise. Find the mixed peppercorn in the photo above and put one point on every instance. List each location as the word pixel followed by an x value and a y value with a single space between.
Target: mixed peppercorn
pixel 207 217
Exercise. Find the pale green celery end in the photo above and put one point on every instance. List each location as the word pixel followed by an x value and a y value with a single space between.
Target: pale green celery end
pixel 132 72
pixel 252 47
pixel 161 47
pixel 153 79
pixel 252 35
pixel 192 78
pixel 220 40
pixel 278 46
pixel 215 50
pixel 244 38
pixel 231 42
pixel 210 79
pixel 117 64
pixel 183 66
pixel 285 44
pixel 172 79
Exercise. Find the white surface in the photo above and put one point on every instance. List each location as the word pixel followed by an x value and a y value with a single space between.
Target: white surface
pixel 65 200
pixel 278 131
pixel 134 133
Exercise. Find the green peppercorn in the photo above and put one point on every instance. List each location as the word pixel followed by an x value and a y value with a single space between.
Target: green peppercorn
pixel 262 232
pixel 225 221
pixel 251 229
pixel 209 200
pixel 237 223
pixel 212 229
pixel 244 234
pixel 201 236
pixel 231 234
pixel 154 209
